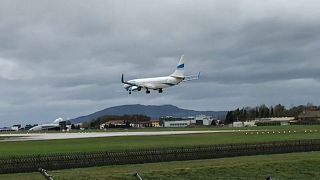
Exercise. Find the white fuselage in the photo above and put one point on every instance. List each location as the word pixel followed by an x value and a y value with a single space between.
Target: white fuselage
pixel 44 127
pixel 153 83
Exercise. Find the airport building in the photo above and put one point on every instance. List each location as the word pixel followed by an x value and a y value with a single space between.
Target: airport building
pixel 274 121
pixel 265 122
pixel 113 124
pixel 15 127
pixel 65 125
pixel 202 120
pixel 7 129
pixel 309 116
pixel 155 123
pixel 178 123
pixel 141 124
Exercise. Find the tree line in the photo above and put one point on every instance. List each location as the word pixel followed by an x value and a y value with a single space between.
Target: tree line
pixel 263 111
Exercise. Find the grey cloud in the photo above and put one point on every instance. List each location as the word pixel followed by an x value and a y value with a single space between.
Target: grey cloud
pixel 65 59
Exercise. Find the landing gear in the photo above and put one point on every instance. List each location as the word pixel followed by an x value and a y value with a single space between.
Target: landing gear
pixel 160 91
pixel 148 92
pixel 129 92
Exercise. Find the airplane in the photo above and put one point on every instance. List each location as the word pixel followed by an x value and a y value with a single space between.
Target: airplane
pixel 159 83
pixel 43 127
pixel 52 126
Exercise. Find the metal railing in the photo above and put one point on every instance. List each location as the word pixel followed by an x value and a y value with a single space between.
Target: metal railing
pixel 16 164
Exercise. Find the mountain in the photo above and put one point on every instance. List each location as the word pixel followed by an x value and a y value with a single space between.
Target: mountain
pixel 152 111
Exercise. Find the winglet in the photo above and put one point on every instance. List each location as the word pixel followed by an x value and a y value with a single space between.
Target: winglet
pixel 198 75
pixel 122 79
pixel 126 82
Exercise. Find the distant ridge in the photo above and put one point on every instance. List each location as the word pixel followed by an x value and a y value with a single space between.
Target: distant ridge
pixel 152 111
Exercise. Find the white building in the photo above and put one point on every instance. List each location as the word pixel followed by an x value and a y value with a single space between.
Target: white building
pixel 15 128
pixel 202 120
pixel 237 124
pixel 180 123
pixel 276 119
pixel 249 123
pixel 282 120
pixel 183 122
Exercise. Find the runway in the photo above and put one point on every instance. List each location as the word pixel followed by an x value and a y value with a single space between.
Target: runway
pixel 50 136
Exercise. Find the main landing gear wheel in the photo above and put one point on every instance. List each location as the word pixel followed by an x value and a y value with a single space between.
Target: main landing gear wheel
pixel 160 91
pixel 148 92
pixel 129 92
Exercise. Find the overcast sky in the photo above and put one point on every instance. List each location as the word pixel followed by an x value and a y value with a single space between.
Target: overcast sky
pixel 65 58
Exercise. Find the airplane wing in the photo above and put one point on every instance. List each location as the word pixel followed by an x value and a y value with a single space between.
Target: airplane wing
pixel 191 77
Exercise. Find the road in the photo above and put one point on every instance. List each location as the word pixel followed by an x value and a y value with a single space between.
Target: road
pixel 49 136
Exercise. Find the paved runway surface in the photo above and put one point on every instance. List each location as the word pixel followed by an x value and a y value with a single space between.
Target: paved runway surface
pixel 48 136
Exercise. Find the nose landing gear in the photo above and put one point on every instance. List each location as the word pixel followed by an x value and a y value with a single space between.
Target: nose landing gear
pixel 148 92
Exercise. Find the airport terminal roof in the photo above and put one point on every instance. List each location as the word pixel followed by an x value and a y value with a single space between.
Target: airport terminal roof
pixel 310 114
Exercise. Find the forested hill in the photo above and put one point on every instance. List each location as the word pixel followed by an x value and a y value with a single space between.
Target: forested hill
pixel 152 111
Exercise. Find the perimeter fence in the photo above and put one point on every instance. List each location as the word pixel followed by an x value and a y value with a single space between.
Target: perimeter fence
pixel 18 164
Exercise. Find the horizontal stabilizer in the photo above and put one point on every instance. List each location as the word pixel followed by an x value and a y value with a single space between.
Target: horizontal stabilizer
pixel 191 77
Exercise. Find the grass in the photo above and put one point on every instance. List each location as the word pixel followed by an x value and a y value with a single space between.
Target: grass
pixel 278 166
pixel 144 142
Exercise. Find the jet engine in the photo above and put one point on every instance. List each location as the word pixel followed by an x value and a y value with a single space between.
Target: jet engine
pixel 133 88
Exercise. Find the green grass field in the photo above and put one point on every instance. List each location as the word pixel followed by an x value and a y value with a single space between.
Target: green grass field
pixel 278 166
pixel 144 142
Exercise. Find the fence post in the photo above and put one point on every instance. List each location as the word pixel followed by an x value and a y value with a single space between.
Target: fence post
pixel 138 177
pixel 45 174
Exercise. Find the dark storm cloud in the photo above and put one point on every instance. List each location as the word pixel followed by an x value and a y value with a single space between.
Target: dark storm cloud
pixel 65 58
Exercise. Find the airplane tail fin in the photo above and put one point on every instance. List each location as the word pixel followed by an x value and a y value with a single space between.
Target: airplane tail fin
pixel 179 72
